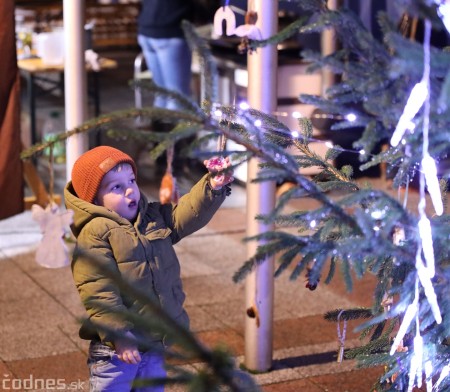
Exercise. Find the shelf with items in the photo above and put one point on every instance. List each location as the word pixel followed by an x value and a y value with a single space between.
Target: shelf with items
pixel 107 24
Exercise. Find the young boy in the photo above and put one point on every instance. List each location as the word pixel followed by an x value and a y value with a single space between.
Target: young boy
pixel 114 222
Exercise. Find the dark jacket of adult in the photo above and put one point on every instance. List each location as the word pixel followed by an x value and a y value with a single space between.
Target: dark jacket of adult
pixel 162 18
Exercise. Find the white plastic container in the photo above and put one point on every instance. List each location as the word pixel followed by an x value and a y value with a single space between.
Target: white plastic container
pixel 50 47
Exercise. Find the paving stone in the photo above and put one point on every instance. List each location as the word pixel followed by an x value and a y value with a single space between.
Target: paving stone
pixel 202 320
pixel 227 338
pixel 211 289
pixel 350 381
pixel 57 370
pixel 14 283
pixel 306 331
pixel 303 385
pixel 21 341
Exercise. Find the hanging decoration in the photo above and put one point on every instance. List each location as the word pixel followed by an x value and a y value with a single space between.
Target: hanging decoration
pixel 246 31
pixel 341 336
pixel 249 29
pixel 420 97
pixel 168 190
pixel 224 13
pixel 216 164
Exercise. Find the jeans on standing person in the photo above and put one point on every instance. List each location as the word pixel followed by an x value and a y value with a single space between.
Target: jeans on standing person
pixel 109 374
pixel 169 60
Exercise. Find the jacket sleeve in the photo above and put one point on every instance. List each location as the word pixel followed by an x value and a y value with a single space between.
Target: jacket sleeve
pixel 95 273
pixel 196 208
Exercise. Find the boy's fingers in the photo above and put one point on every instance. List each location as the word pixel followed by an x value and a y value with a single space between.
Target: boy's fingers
pixel 131 357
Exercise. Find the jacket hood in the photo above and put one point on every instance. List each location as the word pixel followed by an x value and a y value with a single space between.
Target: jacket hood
pixel 84 211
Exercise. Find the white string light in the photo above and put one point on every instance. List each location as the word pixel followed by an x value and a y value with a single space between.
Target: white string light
pixel 415 102
pixel 430 172
pixel 444 374
pixel 419 98
pixel 244 106
pixel 444 13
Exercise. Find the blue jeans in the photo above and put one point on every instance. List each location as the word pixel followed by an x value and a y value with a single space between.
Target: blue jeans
pixel 169 60
pixel 109 374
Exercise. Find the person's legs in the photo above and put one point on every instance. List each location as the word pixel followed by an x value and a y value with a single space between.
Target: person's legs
pixel 169 59
pixel 150 367
pixel 176 56
pixel 107 372
pixel 150 52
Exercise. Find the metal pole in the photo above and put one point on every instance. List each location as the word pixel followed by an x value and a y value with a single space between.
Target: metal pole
pixel 328 45
pixel 259 285
pixel 75 91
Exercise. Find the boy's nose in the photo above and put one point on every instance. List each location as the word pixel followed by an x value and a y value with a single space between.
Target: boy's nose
pixel 129 191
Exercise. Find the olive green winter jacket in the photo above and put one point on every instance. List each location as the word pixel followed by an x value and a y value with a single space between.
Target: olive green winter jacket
pixel 142 253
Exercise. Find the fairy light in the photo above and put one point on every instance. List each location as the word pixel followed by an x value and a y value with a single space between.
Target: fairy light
pixel 329 144
pixel 416 363
pixel 427 243
pixel 218 113
pixel 424 276
pixel 296 114
pixel 312 224
pixel 415 101
pixel 244 105
pixel 295 134
pixel 430 171
pixel 258 123
pixel 428 367
pixel 419 98
pixel 444 13
pixel 351 117
pixel 410 313
pixel 444 374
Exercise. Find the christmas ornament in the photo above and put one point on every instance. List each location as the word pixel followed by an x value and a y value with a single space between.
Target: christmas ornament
pixel 341 336
pixel 249 29
pixel 215 165
pixel 52 251
pixel 224 13
pixel 309 284
pixel 168 190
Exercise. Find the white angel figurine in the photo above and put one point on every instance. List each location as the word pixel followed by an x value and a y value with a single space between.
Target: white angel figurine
pixel 52 251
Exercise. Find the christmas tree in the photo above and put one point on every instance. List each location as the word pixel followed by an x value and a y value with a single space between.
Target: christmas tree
pixel 397 92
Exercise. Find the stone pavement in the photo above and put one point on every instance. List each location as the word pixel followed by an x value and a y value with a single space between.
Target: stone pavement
pixel 40 310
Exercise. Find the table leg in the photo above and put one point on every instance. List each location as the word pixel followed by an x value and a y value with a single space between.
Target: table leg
pixel 96 92
pixel 32 106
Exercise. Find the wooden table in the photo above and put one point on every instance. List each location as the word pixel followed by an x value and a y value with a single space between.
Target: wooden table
pixel 34 69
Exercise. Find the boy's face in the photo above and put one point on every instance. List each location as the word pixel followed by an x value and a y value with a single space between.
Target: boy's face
pixel 119 192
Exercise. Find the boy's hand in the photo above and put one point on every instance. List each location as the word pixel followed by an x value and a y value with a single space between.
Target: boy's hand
pixel 127 350
pixel 220 176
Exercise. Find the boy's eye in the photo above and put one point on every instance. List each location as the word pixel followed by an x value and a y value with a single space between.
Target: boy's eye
pixel 115 187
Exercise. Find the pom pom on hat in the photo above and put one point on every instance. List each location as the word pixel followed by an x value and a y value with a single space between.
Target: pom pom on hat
pixel 90 168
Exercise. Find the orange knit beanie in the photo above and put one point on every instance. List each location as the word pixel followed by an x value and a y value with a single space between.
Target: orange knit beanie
pixel 89 169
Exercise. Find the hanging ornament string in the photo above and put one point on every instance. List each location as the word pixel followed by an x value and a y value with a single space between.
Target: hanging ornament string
pixel 51 185
pixel 221 143
pixel 341 336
